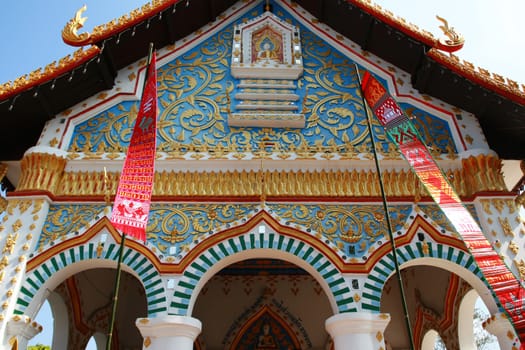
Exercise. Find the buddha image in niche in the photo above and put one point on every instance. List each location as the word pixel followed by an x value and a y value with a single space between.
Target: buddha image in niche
pixel 265 340
pixel 267 51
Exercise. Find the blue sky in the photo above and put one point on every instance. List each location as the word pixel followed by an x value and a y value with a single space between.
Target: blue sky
pixel 31 29
pixel 31 36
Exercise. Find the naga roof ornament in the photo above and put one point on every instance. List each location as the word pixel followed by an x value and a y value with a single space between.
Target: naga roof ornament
pixel 70 32
pixel 70 35
pixel 452 41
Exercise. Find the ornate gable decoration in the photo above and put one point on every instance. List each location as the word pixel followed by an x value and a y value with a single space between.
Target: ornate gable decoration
pixel 266 47
pixel 267 61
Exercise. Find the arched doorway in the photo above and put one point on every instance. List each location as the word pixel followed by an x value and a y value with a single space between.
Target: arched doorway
pixel 83 303
pixel 262 304
pixel 435 298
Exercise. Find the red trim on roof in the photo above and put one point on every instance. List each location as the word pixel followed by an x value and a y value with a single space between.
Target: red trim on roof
pixel 380 14
pixel 61 68
pixel 488 82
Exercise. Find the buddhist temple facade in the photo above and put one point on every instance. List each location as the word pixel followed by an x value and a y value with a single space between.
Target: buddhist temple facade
pixel 267 228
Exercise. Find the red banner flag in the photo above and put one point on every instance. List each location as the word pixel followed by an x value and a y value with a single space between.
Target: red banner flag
pixel 132 202
pixel 400 129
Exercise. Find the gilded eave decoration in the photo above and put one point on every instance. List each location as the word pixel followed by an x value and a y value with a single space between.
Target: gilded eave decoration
pixel 101 32
pixel 52 70
pixel 194 104
pixel 499 83
pixel 477 175
pixel 71 36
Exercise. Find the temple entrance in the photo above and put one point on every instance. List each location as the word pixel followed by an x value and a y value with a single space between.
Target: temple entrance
pixel 81 306
pixel 440 304
pixel 262 304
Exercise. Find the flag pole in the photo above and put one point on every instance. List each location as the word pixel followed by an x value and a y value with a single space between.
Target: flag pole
pixel 387 214
pixel 123 239
pixel 115 291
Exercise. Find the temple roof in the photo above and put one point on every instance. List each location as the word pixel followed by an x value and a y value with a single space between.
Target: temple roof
pixel 27 103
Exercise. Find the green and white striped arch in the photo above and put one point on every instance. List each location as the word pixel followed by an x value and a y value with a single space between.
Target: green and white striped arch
pixel 385 267
pixel 144 269
pixel 339 289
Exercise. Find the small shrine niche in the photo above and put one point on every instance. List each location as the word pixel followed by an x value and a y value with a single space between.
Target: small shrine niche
pixel 267 61
pixel 266 47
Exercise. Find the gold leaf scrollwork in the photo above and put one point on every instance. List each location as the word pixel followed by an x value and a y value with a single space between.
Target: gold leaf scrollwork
pixel 520 200
pixel 514 248
pixel 3 204
pixel 3 263
pixel 10 243
pixel 520 264
pixel 16 226
pixel 70 33
pixel 505 225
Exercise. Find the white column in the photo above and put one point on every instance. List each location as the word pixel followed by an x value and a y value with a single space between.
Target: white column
pixel 169 332
pixel 357 330
pixel 500 326
pixel 23 329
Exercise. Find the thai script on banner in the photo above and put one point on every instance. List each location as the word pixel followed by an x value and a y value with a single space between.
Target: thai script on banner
pixel 133 198
pixel 400 129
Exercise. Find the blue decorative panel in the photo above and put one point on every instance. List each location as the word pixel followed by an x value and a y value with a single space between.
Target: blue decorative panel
pixel 353 228
pixel 195 92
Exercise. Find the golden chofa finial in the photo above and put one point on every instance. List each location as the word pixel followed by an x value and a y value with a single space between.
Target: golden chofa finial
pixel 70 32
pixel 453 41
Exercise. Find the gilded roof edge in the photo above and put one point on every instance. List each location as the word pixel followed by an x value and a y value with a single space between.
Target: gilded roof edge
pixel 397 22
pixel 51 71
pixel 504 86
pixel 115 26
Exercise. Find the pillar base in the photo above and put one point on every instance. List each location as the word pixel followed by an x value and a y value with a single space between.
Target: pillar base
pixel 169 332
pixel 357 330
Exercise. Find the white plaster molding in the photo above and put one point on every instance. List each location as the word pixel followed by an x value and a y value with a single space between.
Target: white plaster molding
pixel 500 326
pixel 24 328
pixel 169 332
pixel 48 150
pixel 357 330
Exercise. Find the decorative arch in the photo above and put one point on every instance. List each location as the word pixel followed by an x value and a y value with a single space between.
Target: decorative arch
pixel 267 244
pixel 417 253
pixel 69 257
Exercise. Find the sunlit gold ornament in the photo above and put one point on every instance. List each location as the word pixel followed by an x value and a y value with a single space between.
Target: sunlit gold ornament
pixel 453 41
pixel 70 33
pixel 10 243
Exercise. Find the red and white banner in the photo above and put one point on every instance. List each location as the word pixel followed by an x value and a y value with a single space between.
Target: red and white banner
pixel 506 287
pixel 133 198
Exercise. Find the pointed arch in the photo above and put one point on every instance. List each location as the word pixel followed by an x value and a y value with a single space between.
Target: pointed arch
pixel 69 257
pixel 271 244
pixel 419 253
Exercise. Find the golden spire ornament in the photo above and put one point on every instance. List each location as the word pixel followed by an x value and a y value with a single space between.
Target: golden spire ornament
pixel 452 41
